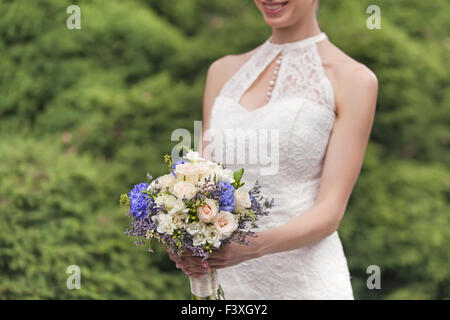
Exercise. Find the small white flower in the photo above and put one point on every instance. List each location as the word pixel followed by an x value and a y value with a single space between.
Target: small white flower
pixel 159 200
pixel 164 223
pixel 193 228
pixel 171 203
pixel 179 219
pixel 211 165
pixel 152 186
pixel 199 239
pixel 213 236
pixel 196 228
pixel 225 175
pixel 225 223
pixel 242 199
pixel 194 156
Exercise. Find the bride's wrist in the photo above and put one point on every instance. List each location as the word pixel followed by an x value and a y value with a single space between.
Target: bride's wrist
pixel 260 244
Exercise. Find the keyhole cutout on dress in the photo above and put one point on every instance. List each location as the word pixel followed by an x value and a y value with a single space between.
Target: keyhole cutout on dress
pixel 255 96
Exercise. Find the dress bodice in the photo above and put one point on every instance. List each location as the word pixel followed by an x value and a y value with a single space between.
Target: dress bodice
pixel 283 143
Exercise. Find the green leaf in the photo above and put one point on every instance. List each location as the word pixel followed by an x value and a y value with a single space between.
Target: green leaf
pixel 237 175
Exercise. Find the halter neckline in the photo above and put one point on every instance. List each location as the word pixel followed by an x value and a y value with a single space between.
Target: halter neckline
pixel 298 44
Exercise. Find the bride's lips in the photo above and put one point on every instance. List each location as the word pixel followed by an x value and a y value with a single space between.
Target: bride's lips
pixel 274 8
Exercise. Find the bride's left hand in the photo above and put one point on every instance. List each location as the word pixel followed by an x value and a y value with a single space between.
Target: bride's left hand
pixel 232 254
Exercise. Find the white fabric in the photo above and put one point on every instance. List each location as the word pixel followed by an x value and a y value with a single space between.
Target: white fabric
pixel 302 113
pixel 204 286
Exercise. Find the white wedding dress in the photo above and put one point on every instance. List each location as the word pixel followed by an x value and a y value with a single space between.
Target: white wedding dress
pixel 299 117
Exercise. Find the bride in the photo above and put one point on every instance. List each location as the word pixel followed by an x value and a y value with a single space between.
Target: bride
pixel 317 105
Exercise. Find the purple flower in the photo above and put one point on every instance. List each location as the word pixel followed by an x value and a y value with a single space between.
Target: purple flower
pixel 140 203
pixel 175 165
pixel 226 201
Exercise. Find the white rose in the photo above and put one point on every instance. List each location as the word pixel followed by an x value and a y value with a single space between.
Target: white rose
pixel 225 223
pixel 242 199
pixel 164 223
pixel 213 236
pixel 201 169
pixel 207 211
pixel 184 189
pixel 165 181
pixel 191 172
pixel 185 169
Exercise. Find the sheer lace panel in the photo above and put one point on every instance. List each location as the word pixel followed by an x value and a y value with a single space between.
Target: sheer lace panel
pixel 301 73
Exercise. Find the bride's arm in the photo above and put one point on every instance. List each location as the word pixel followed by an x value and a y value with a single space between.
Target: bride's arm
pixel 345 153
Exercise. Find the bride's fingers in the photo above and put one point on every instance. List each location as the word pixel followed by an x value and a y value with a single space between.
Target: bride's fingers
pixel 219 254
pixel 192 261
pixel 175 258
pixel 217 263
pixel 187 253
pixel 194 270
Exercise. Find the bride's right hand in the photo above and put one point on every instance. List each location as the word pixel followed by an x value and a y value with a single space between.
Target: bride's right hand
pixel 192 266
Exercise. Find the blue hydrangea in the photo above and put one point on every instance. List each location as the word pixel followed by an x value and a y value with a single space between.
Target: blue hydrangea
pixel 140 203
pixel 226 201
pixel 175 165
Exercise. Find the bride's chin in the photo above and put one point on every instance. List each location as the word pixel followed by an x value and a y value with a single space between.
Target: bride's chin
pixel 281 22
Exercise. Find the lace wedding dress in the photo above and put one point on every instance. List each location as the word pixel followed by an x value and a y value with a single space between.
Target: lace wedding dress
pixel 297 120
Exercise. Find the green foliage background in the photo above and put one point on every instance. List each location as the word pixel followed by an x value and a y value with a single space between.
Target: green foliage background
pixel 84 114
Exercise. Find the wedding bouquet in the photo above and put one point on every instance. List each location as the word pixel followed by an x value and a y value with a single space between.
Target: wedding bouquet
pixel 198 206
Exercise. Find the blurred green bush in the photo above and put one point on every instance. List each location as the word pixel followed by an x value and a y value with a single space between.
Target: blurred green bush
pixel 86 113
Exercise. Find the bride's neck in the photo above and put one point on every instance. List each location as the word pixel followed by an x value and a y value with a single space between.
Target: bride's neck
pixel 299 31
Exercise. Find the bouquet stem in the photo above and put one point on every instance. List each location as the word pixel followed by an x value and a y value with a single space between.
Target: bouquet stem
pixel 206 287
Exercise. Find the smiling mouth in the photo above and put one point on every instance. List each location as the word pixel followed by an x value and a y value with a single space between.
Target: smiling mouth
pixel 271 8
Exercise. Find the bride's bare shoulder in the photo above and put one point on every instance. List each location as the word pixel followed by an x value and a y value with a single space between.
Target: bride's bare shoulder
pixel 346 74
pixel 221 70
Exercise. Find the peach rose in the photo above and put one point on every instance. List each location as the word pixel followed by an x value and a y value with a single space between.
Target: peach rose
pixel 207 211
pixel 225 223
